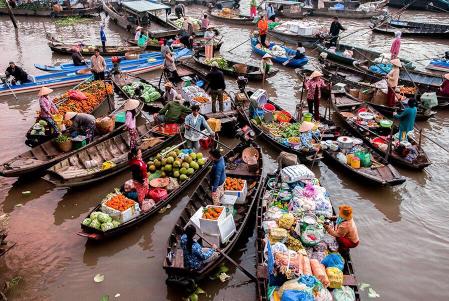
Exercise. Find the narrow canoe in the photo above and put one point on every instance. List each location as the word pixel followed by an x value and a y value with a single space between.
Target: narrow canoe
pixel 236 168
pixel 232 19
pixel 72 171
pixel 346 107
pixel 262 287
pixel 431 5
pixel 309 41
pixel 47 154
pixel 65 48
pixel 293 63
pixel 410 28
pixel 441 65
pixel 351 13
pixel 253 72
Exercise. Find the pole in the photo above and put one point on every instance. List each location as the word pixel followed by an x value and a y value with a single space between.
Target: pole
pixel 222 144
pixel 239 45
pixel 11 15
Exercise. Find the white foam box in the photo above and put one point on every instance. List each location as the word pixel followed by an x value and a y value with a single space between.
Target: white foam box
pixel 211 239
pixel 121 216
pixel 211 226
pixel 228 201
pixel 226 228
pixel 241 195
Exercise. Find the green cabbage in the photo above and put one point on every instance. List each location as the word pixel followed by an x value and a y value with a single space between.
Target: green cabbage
pixel 107 226
pixel 104 218
pixel 87 221
pixel 95 224
pixel 115 223
pixel 43 123
pixel 94 214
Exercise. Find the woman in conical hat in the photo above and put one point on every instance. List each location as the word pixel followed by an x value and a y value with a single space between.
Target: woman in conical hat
pixel 314 85
pixel 130 106
pixel 48 108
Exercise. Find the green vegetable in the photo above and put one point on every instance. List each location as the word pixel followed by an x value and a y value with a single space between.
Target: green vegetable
pixel 222 63
pixel 62 139
pixel 115 223
pixel 95 224
pixel 87 221
pixel 43 123
pixel 94 214
pixel 104 218
pixel 107 226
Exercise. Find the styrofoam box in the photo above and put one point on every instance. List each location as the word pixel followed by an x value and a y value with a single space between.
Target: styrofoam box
pixel 211 226
pixel 206 108
pixel 211 239
pixel 226 228
pixel 228 201
pixel 241 195
pixel 122 216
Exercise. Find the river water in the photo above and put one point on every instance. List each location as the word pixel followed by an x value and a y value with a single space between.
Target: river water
pixel 404 233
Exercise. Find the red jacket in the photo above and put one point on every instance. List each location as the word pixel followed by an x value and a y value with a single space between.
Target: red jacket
pixel 138 170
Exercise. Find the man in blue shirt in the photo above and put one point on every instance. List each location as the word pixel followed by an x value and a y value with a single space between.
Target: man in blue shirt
pixel 103 37
pixel 217 175
pixel 270 12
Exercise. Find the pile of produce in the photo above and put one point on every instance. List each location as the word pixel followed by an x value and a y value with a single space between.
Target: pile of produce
pixel 191 93
pixel 120 202
pixel 69 21
pixel 100 221
pixel 179 164
pixel 234 184
pixel 39 128
pixel 306 258
pixel 180 22
pixel 407 90
pixel 222 63
pixel 94 92
pixel 145 91
pixel 212 212
pixel 62 139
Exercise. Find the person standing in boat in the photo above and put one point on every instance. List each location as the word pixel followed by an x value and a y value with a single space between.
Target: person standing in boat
pixel 137 34
pixel 217 175
pixel 253 8
pixel 314 85
pixel 77 57
pixel 209 36
pixel 345 230
pixel 130 122
pixel 217 85
pixel 170 67
pixel 142 41
pixel 393 81
pixel 180 10
pixel 82 124
pixel 103 37
pixel 335 31
pixel 396 45
pixel 97 65
pixel 139 174
pixel 262 25
pixel 406 120
pixel 193 123
pixel 195 256
pixel 19 76
pixel 204 23
pixel 444 89
pixel 270 12
pixel 48 108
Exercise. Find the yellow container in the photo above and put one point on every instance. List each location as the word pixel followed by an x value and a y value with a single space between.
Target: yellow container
pixel 59 120
pixel 349 158
pixel 215 124
pixel 355 162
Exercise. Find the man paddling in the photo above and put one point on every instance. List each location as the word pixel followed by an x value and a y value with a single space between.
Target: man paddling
pixel 19 76
pixel 335 31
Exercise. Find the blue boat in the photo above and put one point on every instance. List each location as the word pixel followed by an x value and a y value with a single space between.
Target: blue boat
pixel 294 63
pixel 143 57
pixel 439 65
pixel 70 78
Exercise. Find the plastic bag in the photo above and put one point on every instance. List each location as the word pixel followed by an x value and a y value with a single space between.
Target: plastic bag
pixel 323 295
pixel 331 242
pixel 296 173
pixel 345 293
pixel 278 234
pixel 311 236
pixel 335 277
pixel 77 95
pixel 334 260
pixel 286 221
pixel 319 271
pixel 307 269
pixel 291 295
pixel 293 284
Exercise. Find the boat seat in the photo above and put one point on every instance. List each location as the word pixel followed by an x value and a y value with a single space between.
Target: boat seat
pixel 179 259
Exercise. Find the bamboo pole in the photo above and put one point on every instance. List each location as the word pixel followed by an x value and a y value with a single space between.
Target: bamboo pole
pixel 11 14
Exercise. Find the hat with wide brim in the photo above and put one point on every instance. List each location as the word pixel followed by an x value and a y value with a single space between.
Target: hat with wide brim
pixel 446 76
pixel 306 126
pixel 267 56
pixel 396 62
pixel 44 91
pixel 131 104
pixel 168 85
pixel 345 211
pixel 69 115
pixel 316 74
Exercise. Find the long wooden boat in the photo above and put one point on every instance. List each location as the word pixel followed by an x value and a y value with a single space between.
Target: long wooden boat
pixel 440 64
pixel 288 9
pixel 232 19
pixel 309 41
pixel 347 107
pixel 293 63
pixel 140 13
pixel 253 72
pixel 348 54
pixel 427 82
pixel 72 171
pixel 94 234
pixel 379 173
pixel 350 12
pixel 174 262
pixel 432 5
pixel 47 154
pixel 48 12
pixel 349 277
pixel 410 28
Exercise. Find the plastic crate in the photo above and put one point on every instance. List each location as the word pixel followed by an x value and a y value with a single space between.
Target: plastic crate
pixel 122 216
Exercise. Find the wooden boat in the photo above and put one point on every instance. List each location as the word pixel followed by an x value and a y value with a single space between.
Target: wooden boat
pixel 349 278
pixel 379 173
pixel 426 82
pixel 432 5
pixel 440 64
pixel 48 154
pixel 73 171
pixel 174 261
pixel 34 11
pixel 288 9
pixel 358 54
pixel 252 73
pixel 346 107
pixel 293 63
pixel 94 234
pixel 350 13
pixel 140 13
pixel 232 19
pixel 410 28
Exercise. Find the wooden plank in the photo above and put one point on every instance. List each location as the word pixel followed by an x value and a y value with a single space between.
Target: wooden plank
pixel 50 150
pixel 39 154
pixel 349 280
pixel 178 261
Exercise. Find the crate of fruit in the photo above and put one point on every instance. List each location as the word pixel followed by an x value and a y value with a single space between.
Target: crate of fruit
pixel 119 207
pixel 210 219
pixel 237 187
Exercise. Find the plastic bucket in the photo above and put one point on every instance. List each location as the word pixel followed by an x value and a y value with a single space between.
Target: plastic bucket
pixel 171 128
pixel 259 113
pixel 307 117
pixel 268 107
pixel 355 162
pixel 205 143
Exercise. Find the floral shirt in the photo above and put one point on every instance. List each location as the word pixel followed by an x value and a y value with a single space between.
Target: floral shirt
pixel 47 107
pixel 194 259
pixel 312 85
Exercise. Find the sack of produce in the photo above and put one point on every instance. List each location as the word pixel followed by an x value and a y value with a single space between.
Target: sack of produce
pixel 335 277
pixel 345 293
pixel 311 235
pixel 105 125
pixel 77 95
pixel 307 269
pixel 278 235
pixel 295 245
pixel 295 173
pixel 334 260
pixel 286 221
pixel 429 100
pixel 319 271
pixel 293 285
pixel 323 295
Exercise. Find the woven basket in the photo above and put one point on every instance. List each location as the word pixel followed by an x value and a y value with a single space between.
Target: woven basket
pixel 65 146
pixel 105 125
pixel 249 155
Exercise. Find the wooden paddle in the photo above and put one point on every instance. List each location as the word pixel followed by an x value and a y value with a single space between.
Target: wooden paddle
pixel 250 276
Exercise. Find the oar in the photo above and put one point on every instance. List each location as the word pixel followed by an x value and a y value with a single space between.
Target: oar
pixel 245 271
pixel 10 89
pixel 239 44
pixel 172 148
pixel 222 144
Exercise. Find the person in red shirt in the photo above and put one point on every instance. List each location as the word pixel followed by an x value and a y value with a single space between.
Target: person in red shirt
pixel 444 89
pixel 139 173
pixel 262 25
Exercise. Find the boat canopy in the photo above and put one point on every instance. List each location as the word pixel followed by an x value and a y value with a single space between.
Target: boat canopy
pixel 144 6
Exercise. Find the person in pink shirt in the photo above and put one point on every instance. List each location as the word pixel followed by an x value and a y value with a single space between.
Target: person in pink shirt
pixel 204 23
pixel 130 121
pixel 396 45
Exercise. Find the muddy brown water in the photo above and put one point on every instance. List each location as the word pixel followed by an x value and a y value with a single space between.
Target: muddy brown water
pixel 404 232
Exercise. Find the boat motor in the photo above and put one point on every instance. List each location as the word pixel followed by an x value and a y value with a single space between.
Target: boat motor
pixel 246 133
